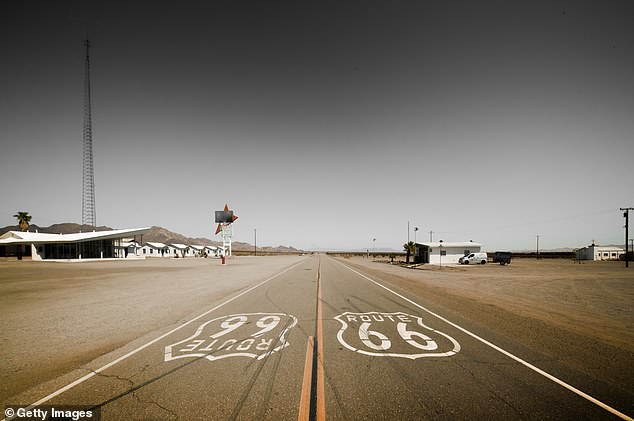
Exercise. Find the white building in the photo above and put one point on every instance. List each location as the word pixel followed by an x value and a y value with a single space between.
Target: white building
pixel 214 251
pixel 439 252
pixel 127 248
pixel 153 249
pixel 73 247
pixel 198 251
pixel 594 252
pixel 182 250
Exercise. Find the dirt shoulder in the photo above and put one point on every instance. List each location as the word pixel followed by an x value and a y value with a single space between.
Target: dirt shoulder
pixel 592 298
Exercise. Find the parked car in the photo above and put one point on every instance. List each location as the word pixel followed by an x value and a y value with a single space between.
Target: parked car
pixel 480 258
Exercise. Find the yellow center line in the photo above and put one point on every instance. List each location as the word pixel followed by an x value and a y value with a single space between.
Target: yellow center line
pixel 304 403
pixel 317 395
pixel 321 394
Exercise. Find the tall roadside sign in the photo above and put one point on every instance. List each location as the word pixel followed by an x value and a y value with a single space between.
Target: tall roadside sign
pixel 224 219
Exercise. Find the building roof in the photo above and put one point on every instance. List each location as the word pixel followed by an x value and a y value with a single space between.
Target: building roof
pixel 603 248
pixel 179 246
pixel 19 237
pixel 156 245
pixel 450 244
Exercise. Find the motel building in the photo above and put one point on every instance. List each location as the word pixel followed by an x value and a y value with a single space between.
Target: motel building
pixel 197 250
pixel 182 250
pixel 213 251
pixel 594 252
pixel 127 248
pixel 82 246
pixel 153 249
pixel 440 252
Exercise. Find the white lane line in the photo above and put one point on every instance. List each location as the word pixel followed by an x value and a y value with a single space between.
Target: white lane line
pixel 153 341
pixel 497 348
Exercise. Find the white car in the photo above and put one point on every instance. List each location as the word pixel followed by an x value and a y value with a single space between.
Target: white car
pixel 480 258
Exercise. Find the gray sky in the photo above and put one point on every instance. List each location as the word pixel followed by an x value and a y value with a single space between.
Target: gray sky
pixel 325 125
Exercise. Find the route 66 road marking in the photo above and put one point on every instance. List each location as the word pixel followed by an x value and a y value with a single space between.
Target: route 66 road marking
pixel 378 334
pixel 253 335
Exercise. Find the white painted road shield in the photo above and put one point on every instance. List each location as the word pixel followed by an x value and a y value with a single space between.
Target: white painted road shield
pixel 393 335
pixel 253 335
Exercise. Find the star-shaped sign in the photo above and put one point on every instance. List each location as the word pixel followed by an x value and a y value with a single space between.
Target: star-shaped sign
pixel 233 218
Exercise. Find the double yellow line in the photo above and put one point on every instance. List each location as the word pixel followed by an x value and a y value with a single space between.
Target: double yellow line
pixel 314 366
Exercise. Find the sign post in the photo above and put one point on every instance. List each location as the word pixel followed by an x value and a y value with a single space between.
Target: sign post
pixel 224 219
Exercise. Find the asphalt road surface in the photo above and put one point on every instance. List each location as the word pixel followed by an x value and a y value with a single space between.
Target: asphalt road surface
pixel 324 340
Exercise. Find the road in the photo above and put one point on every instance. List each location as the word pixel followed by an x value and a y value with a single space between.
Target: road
pixel 324 340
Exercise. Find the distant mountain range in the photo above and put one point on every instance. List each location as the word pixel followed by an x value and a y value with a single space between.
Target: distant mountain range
pixel 156 234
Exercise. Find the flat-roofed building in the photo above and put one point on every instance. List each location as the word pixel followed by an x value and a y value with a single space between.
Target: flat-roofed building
pixel 595 252
pixel 440 252
pixel 73 247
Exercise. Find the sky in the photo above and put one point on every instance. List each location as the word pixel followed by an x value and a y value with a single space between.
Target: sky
pixel 326 124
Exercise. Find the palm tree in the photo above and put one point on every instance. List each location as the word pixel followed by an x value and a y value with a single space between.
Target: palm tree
pixel 410 248
pixel 23 220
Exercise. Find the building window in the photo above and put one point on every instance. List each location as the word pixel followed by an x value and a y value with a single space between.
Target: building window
pixel 605 255
pixel 613 254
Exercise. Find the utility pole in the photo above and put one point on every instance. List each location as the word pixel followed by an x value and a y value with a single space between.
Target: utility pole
pixel 538 245
pixel 408 231
pixel 415 229
pixel 255 245
pixel 627 218
pixel 431 236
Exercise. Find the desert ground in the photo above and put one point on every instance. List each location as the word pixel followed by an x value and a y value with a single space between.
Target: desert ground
pixel 593 298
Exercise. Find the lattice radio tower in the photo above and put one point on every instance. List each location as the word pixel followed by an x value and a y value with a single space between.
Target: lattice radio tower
pixel 88 214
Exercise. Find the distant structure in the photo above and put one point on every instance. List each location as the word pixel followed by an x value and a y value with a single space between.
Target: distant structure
pixel 595 252
pixel 439 252
pixel 88 213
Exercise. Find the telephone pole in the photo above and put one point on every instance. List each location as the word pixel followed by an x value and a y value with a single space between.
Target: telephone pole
pixel 626 214
pixel 538 245
pixel 408 232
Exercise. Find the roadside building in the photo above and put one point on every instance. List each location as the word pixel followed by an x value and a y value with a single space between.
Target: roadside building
pixel 440 252
pixel 127 248
pixel 595 252
pixel 154 249
pixel 212 251
pixel 198 251
pixel 181 250
pixel 73 247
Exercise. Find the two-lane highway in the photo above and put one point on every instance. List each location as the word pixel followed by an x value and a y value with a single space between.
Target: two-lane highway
pixel 322 340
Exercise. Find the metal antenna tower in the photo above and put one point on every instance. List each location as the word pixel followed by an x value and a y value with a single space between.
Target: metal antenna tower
pixel 88 213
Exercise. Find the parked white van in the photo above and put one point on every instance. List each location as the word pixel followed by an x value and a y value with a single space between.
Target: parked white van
pixel 480 258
